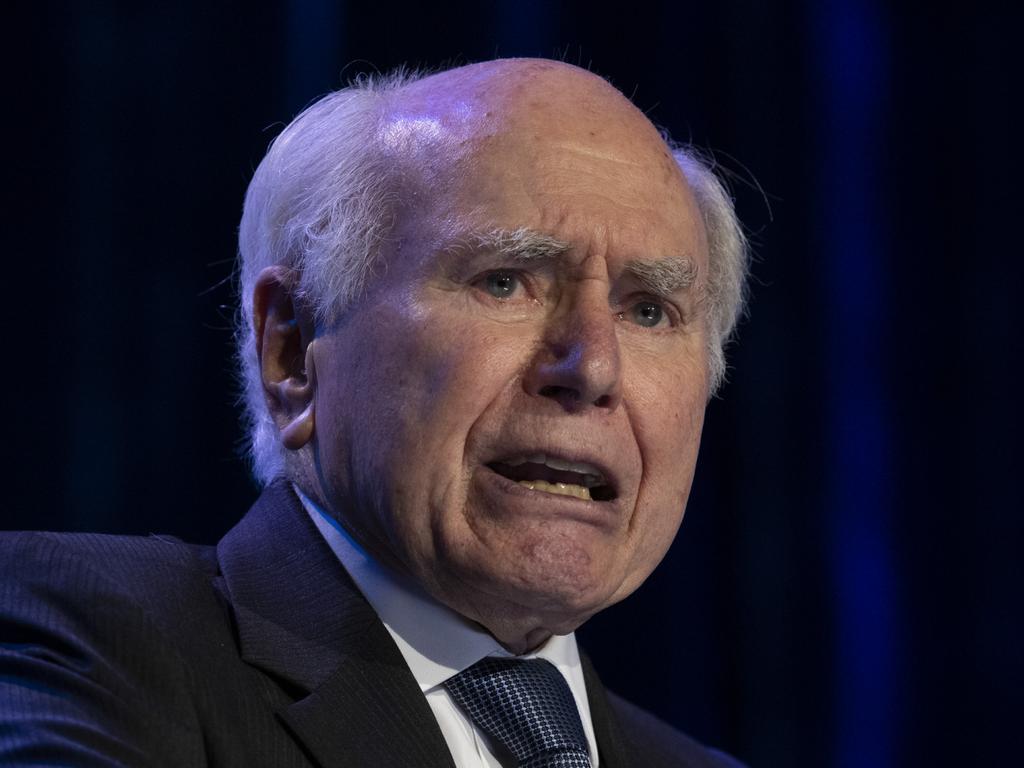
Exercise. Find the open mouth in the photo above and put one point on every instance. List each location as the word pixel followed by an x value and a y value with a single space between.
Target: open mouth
pixel 550 474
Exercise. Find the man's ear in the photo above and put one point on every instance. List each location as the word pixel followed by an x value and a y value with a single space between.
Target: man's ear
pixel 284 348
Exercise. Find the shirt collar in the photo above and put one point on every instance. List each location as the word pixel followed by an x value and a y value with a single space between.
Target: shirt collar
pixel 435 641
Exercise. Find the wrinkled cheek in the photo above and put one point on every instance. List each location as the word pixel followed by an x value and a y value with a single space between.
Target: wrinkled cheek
pixel 670 460
pixel 424 350
pixel 467 391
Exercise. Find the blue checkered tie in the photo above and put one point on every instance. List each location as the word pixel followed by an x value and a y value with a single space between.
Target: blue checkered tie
pixel 527 707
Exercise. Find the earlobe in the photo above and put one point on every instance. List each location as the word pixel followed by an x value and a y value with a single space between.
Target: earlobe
pixel 284 346
pixel 299 431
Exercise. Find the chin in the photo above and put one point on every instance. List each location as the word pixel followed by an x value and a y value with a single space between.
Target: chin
pixel 528 619
pixel 553 590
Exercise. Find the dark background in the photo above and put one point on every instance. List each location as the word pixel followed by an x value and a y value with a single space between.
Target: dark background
pixel 846 590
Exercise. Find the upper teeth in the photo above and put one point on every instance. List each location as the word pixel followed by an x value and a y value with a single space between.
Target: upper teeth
pixel 580 467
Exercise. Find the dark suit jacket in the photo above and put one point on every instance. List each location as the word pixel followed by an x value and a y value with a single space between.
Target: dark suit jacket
pixel 259 652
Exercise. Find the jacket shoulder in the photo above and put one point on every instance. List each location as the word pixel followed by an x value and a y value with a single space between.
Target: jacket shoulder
pixel 159 573
pixel 114 554
pixel 662 745
pixel 90 626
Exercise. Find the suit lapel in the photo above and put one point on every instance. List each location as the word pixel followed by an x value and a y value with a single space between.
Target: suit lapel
pixel 369 712
pixel 612 745
pixel 302 620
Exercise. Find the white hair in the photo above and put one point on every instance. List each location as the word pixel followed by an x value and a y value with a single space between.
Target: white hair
pixel 322 200
pixel 728 256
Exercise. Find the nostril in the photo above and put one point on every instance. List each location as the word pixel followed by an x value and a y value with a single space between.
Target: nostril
pixel 559 393
pixel 571 397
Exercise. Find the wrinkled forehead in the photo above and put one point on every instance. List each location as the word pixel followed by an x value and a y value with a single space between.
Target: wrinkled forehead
pixel 516 106
pixel 516 137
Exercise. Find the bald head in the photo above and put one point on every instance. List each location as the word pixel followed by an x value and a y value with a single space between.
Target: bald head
pixel 533 134
pixel 519 105
pixel 519 94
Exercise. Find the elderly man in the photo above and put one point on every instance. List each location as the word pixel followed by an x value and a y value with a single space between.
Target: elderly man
pixel 482 313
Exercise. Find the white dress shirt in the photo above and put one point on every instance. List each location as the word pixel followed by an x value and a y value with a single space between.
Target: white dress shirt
pixel 438 643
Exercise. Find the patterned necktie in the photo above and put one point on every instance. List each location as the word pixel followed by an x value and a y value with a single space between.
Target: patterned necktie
pixel 527 707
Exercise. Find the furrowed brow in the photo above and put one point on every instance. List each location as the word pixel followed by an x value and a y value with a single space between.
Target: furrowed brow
pixel 664 277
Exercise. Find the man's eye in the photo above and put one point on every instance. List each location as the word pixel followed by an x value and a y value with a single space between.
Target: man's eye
pixel 646 313
pixel 502 285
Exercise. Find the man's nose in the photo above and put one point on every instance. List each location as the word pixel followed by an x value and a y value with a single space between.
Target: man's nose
pixel 579 365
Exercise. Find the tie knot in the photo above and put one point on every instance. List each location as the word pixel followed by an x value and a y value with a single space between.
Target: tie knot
pixel 527 707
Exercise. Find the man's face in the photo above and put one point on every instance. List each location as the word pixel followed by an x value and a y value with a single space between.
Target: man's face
pixel 481 370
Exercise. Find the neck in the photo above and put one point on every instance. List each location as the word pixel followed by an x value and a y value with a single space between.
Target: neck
pixel 524 644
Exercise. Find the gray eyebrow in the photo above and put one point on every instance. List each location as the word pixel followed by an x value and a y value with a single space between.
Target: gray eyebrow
pixel 524 245
pixel 664 277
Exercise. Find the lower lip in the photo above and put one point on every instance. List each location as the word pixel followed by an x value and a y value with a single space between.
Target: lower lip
pixel 518 499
